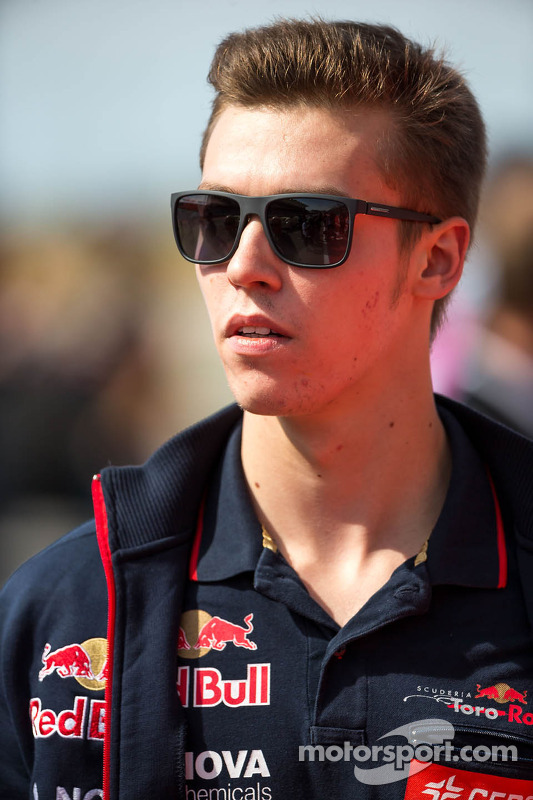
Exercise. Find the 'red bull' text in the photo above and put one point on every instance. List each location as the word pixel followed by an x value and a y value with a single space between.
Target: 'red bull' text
pixel 206 687
pixel 78 722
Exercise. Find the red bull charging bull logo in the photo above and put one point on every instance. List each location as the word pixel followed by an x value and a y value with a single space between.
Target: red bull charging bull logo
pixel 501 693
pixel 200 633
pixel 85 662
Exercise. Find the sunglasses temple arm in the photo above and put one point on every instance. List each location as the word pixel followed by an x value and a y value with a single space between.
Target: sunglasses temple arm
pixel 380 210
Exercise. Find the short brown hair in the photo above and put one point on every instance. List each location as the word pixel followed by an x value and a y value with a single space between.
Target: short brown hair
pixel 434 153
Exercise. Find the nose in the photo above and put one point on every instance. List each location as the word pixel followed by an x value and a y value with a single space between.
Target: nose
pixel 254 262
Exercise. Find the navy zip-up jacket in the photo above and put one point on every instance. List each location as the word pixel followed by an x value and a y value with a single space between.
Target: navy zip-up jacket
pixel 126 584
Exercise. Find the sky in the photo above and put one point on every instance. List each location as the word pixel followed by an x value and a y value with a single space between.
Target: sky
pixel 102 104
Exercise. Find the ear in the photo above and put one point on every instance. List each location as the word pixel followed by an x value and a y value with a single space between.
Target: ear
pixel 441 258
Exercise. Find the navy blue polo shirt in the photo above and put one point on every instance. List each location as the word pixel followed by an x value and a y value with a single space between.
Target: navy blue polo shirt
pixel 282 702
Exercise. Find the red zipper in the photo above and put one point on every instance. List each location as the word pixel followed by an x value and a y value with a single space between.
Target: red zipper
pixel 500 537
pixel 195 552
pixel 102 535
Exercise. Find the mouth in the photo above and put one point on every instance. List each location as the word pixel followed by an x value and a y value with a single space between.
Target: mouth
pixel 255 326
pixel 256 336
pixel 253 332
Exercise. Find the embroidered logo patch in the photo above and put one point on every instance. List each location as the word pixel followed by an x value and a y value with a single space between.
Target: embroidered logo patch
pixel 208 688
pixel 86 662
pixel 501 693
pixel 488 699
pixel 200 633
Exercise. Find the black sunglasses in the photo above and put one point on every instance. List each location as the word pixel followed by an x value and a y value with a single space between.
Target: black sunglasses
pixel 304 230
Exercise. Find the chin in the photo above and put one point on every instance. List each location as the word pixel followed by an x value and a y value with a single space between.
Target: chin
pixel 263 406
pixel 272 403
pixel 266 396
pixel 255 392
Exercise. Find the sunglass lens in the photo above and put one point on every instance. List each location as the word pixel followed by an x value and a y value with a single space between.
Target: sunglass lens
pixel 206 226
pixel 309 231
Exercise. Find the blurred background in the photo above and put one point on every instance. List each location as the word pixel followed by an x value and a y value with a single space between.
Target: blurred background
pixel 105 348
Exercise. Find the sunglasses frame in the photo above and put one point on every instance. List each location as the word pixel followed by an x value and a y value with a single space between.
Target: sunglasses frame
pixel 257 206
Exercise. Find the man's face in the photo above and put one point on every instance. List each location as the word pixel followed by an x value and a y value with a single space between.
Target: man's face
pixel 336 330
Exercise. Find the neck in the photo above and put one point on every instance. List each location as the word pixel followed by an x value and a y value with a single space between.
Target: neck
pixel 369 485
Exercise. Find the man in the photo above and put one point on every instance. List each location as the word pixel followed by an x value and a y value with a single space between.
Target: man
pixel 333 567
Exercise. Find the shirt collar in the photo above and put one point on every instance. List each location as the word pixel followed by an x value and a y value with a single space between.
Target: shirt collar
pixel 466 547
pixel 229 541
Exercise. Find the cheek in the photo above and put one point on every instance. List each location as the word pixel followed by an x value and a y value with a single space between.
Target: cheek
pixel 358 323
pixel 210 287
pixel 355 306
pixel 205 282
